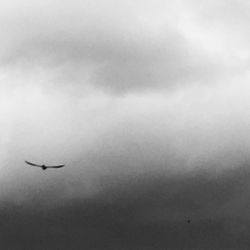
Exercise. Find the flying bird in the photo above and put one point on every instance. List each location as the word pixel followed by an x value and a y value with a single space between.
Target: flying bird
pixel 44 167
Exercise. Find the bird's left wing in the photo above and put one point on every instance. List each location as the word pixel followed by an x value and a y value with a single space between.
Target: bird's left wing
pixel 33 164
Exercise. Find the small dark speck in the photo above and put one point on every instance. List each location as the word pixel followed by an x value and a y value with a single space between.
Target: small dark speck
pixel 188 221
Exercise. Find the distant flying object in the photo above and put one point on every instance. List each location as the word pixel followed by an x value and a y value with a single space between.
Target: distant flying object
pixel 44 167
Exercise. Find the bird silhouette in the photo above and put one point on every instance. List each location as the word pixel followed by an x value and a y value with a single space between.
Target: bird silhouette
pixel 44 167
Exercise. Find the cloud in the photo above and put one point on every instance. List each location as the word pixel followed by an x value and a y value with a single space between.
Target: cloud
pixel 128 50
pixel 147 105
pixel 146 211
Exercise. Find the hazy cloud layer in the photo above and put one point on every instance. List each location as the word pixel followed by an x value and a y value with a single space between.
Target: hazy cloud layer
pixel 147 104
pixel 118 46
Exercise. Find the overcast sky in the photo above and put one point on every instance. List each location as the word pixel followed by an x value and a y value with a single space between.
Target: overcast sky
pixel 148 105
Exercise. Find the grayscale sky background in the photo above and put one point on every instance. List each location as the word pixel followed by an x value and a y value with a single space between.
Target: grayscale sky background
pixel 148 105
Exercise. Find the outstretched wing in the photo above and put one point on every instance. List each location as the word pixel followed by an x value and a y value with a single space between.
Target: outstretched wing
pixel 57 166
pixel 33 164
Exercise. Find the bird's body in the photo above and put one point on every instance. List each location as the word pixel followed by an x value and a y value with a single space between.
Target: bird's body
pixel 44 167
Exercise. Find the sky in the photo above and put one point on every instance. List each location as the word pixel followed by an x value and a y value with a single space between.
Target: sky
pixel 146 102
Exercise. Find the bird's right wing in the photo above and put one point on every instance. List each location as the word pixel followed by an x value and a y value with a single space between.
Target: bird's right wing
pixel 57 166
pixel 33 164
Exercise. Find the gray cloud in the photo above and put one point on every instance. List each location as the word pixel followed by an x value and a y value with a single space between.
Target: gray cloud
pixel 143 211
pixel 118 51
pixel 147 105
